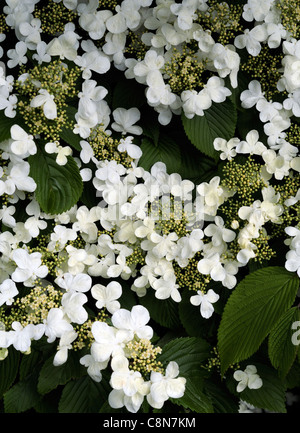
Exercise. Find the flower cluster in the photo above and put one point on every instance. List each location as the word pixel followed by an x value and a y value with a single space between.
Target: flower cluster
pixel 71 255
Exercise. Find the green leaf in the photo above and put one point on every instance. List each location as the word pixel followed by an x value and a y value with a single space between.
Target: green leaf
pixel 282 351
pixel 194 324
pixel 195 399
pixel 6 123
pixel 23 395
pixel 29 363
pixel 271 396
pixel 164 312
pixel 58 187
pixel 8 370
pixel 52 376
pixel 83 396
pixel 166 151
pixel 189 353
pixel 194 165
pixel 222 400
pixel 218 121
pixel 252 310
pixel 292 379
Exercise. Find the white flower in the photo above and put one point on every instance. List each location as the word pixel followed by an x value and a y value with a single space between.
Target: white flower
pixel 166 287
pixel 6 216
pixel 268 109
pixel 124 121
pixel 41 54
pixel 20 337
pixel 274 129
pixel 185 13
pixel 87 151
pixel 29 267
pixel 133 322
pixel 45 100
pixel 211 265
pixel 8 290
pixel 62 152
pixel 205 301
pixel 34 225
pixel 213 91
pixel 22 143
pixel 106 296
pixel 252 95
pixel 276 33
pixel 129 388
pixel 17 178
pixel 17 56
pixel 86 223
pixel 251 39
pixel 72 306
pixel 291 75
pixel 276 164
pixel 65 46
pixel 31 31
pixel 56 325
pixel 213 194
pixel 126 145
pixel 192 103
pixel 127 16
pixel 292 263
pixel 251 145
pixel 9 105
pixel 92 60
pixel 293 103
pixel 93 367
pixel 256 10
pixel 65 341
pixel 226 61
pixel 151 62
pixel 94 22
pixel 109 341
pixel 247 378
pixel 227 148
pixel 74 283
pixel 165 245
pixel 120 268
pixel 79 259
pixel 164 387
pixel 60 236
pixel 190 244
pixel 158 91
pixel 219 233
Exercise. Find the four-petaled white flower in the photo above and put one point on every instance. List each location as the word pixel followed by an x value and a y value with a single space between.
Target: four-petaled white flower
pixel 134 322
pixel 107 296
pixel 205 301
pixel 8 290
pixel 62 152
pixel 165 386
pixel 124 121
pixel 46 101
pixel 29 267
pixel 247 378
pixel 129 387
pixel 22 144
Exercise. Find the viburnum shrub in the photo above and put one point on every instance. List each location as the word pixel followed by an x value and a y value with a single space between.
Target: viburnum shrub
pixel 150 204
